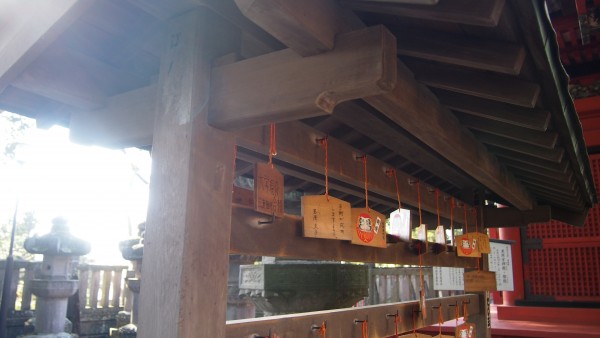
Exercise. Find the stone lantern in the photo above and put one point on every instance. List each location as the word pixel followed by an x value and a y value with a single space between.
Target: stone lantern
pixel 53 286
pixel 133 250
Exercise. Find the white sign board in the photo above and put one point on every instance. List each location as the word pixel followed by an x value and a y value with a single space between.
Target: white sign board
pixel 448 278
pixel 500 261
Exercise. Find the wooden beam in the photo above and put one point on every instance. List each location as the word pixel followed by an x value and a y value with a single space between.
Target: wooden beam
pixel 533 119
pixel 57 76
pixel 510 217
pixel 482 54
pixel 554 155
pixel 341 321
pixel 575 218
pixel 297 146
pixel 484 85
pixel 189 213
pixel 307 27
pixel 282 86
pixel 416 110
pixel 368 121
pixel 551 174
pixel 283 238
pixel 126 121
pixel 529 160
pixel 470 12
pixel 534 172
pixel 541 139
pixel 29 27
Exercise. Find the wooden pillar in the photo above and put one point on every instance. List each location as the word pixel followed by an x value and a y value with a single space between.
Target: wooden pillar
pixel 184 286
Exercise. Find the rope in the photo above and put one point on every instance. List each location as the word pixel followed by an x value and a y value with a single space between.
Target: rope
pixel 452 219
pixel 440 319
pixel 325 145
pixel 272 145
pixel 364 159
pixel 397 189
pixel 323 329
pixel 419 202
pixel 365 329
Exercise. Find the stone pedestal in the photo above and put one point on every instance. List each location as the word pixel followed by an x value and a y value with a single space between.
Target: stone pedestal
pixel 53 287
pixel 297 286
pixel 238 306
pixel 133 250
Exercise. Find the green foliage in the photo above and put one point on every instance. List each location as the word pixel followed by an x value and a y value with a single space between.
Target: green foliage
pixel 13 129
pixel 24 227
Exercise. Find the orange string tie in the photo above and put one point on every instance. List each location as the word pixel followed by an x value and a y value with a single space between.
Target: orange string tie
pixel 477 230
pixel 365 329
pixel 437 205
pixel 414 318
pixel 452 219
pixel 465 312
pixel 325 145
pixel 440 319
pixel 466 230
pixel 394 171
pixel 272 144
pixel 456 314
pixel 396 322
pixel 419 202
pixel 364 159
pixel 234 158
pixel 323 329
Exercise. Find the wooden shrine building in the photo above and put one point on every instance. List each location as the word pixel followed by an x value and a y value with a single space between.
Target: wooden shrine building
pixel 466 98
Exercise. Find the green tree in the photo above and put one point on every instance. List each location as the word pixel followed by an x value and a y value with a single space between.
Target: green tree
pixel 13 128
pixel 24 227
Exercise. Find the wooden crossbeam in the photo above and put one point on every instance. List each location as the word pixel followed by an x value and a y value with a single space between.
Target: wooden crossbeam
pixel 560 176
pixel 370 122
pixel 554 155
pixel 482 54
pixel 510 217
pixel 296 145
pixel 341 322
pixel 308 27
pixel 476 83
pixel 29 28
pixel 541 139
pixel 529 160
pixel 415 109
pixel 283 86
pixel 257 234
pixel 470 12
pixel 534 119
pixel 126 121
pixel 56 75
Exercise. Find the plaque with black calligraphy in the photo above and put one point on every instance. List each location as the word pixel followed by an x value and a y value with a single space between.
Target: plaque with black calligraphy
pixel 268 190
pixel 326 217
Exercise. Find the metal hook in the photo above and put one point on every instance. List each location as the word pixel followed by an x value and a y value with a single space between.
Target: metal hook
pixel 412 181
pixel 359 157
pixel 318 327
pixel 358 321
pixel 271 221
pixel 392 315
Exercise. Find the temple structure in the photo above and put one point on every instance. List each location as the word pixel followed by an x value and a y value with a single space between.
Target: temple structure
pixel 448 107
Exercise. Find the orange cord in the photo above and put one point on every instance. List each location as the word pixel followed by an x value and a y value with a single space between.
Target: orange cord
pixel 397 189
pixel 414 318
pixel 419 202
pixel 365 329
pixel 440 319
pixel 466 230
pixel 234 158
pixel 396 322
pixel 364 159
pixel 465 312
pixel 456 314
pixel 452 219
pixel 272 145
pixel 325 145
pixel 476 231
pixel 323 329
pixel 437 205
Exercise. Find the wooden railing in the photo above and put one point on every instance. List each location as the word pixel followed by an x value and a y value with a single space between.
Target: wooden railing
pixel 391 285
pixel 102 293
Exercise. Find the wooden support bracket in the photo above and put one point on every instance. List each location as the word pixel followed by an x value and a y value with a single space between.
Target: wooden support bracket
pixel 283 86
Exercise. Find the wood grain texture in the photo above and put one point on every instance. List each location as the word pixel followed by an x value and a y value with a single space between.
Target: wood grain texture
pixel 184 289
pixel 308 27
pixel 470 12
pixel 534 119
pixel 283 238
pixel 477 83
pixel 482 54
pixel 509 217
pixel 282 86
pixel 297 146
pixel 416 109
pixel 29 28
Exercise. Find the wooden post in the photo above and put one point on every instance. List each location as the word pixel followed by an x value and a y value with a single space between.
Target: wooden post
pixel 184 286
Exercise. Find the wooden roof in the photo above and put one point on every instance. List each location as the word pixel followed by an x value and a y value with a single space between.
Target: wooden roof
pixel 478 101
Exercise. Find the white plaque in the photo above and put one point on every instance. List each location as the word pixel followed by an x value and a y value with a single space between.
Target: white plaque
pixel 500 261
pixel 448 278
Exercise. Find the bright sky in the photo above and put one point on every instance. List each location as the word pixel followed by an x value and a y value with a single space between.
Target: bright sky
pixel 94 188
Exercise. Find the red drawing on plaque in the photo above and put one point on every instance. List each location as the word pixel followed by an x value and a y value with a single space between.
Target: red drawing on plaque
pixel 364 228
pixel 465 246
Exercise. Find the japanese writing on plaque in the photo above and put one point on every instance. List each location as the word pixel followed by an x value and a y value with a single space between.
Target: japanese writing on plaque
pixel 268 190
pixel 448 278
pixel 326 217
pixel 500 261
